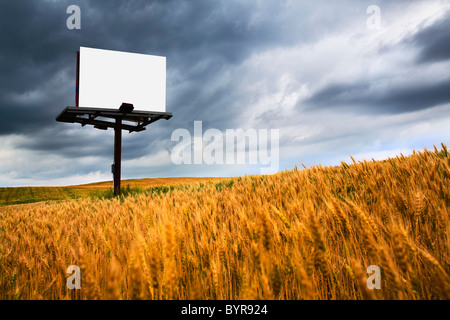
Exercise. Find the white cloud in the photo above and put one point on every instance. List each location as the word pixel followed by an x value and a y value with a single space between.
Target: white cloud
pixel 55 182
pixel 161 158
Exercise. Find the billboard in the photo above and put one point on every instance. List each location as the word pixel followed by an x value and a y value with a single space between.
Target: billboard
pixel 108 78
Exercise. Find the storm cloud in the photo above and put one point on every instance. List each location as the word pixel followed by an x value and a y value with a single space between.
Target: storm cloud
pixel 313 70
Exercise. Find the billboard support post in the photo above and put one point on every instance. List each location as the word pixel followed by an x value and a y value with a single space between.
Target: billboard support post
pixel 117 155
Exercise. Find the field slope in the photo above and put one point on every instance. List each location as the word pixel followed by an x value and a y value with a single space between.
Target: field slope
pixel 20 195
pixel 298 234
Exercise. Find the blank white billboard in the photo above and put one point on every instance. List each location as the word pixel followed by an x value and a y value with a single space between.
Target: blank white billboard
pixel 109 78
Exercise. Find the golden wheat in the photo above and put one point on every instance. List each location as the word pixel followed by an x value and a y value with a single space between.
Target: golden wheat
pixel 299 234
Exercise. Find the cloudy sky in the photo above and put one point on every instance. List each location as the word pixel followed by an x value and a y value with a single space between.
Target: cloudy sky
pixel 314 70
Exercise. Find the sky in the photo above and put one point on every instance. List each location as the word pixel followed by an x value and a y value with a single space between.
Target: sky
pixel 321 74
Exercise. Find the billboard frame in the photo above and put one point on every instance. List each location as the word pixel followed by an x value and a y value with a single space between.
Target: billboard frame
pixel 104 118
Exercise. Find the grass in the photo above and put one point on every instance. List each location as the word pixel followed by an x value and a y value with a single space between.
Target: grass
pixel 298 234
pixel 20 195
pixel 23 195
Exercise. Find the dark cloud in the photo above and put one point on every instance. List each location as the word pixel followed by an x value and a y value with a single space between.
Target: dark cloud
pixel 69 144
pixel 434 41
pixel 38 45
pixel 367 98
pixel 87 141
pixel 34 57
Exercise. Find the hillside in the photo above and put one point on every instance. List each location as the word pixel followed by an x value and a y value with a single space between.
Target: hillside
pixel 20 195
pixel 298 234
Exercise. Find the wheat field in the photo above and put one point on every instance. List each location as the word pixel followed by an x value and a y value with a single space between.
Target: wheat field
pixel 297 234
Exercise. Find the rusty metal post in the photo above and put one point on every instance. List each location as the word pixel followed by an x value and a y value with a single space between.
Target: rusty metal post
pixel 117 154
